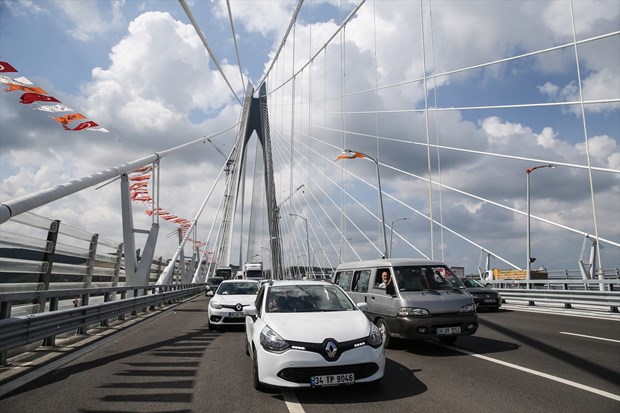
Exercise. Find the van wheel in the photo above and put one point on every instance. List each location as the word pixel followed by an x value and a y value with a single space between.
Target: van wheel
pixel 385 333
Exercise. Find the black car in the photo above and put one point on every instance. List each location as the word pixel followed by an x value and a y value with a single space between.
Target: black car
pixel 484 297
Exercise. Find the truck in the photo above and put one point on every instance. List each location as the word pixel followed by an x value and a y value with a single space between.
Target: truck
pixel 253 271
pixel 224 272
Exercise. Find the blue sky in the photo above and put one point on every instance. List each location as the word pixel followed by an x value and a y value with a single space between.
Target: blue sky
pixel 138 69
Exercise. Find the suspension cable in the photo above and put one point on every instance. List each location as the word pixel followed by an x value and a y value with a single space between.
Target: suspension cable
pixel 234 36
pixel 190 16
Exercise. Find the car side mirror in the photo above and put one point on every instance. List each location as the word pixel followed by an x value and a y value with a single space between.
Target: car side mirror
pixel 251 311
pixel 362 306
pixel 210 293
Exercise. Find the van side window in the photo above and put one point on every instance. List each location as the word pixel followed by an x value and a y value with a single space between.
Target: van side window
pixel 360 281
pixel 343 279
pixel 378 281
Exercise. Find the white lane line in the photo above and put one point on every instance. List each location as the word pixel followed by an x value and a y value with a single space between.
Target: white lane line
pixel 592 337
pixel 603 393
pixel 292 403
pixel 565 312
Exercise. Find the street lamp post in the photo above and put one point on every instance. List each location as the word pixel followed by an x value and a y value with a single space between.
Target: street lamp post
pixel 528 270
pixel 307 238
pixel 392 231
pixel 348 154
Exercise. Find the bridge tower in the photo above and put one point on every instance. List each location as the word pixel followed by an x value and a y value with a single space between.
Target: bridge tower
pixel 254 118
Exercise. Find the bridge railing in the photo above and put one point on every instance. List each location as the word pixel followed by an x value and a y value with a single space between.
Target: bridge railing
pixel 589 293
pixel 41 254
pixel 16 333
pixel 48 267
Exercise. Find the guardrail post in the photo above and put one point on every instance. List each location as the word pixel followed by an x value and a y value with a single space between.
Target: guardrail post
pixel 5 312
pixel 48 262
pixel 135 294
pixel 51 340
pixel 123 296
pixel 117 265
pixel 106 322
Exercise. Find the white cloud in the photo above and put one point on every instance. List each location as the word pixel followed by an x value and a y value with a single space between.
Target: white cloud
pixel 602 147
pixel 87 18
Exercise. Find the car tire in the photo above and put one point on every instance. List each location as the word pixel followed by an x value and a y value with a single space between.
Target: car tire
pixel 247 348
pixel 212 327
pixel 448 340
pixel 255 381
pixel 385 332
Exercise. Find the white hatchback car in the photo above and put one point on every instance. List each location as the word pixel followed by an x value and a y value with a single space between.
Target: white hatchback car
pixel 226 305
pixel 310 334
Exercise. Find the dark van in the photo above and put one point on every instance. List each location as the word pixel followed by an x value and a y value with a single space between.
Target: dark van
pixel 422 299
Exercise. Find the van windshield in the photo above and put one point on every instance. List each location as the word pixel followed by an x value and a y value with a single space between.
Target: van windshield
pixel 424 278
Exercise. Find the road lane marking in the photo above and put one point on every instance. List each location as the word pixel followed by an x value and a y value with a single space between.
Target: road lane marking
pixel 603 393
pixel 592 337
pixel 292 403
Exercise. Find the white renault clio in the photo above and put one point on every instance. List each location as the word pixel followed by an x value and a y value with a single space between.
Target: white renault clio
pixel 226 305
pixel 310 334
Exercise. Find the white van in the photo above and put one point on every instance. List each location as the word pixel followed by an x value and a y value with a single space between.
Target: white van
pixel 424 299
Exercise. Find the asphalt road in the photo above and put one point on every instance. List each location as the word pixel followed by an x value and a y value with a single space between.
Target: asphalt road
pixel 517 362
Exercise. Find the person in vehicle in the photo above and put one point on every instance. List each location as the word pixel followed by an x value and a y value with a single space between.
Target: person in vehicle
pixel 386 282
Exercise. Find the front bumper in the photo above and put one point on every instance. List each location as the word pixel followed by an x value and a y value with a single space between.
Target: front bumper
pixel 294 368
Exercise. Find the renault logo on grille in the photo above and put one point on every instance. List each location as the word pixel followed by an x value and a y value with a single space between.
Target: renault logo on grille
pixel 331 349
pixel 238 307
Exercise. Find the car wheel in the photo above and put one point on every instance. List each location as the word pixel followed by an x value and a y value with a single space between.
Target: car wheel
pixel 385 333
pixel 247 348
pixel 255 381
pixel 212 327
pixel 447 340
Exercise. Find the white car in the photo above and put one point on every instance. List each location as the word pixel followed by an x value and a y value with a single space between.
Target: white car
pixel 227 304
pixel 310 334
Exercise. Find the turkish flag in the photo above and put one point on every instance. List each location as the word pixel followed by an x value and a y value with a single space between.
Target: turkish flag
pixel 83 125
pixel 28 98
pixel 6 68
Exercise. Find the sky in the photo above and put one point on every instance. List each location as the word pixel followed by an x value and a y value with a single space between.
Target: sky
pixel 139 70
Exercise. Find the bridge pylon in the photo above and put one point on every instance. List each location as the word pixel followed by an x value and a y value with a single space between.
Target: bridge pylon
pixel 254 118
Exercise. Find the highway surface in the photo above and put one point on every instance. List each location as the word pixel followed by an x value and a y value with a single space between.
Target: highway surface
pixel 518 361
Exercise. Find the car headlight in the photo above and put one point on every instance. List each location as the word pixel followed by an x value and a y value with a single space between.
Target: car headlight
pixel 405 311
pixel 215 304
pixel 374 338
pixel 271 341
pixel 469 308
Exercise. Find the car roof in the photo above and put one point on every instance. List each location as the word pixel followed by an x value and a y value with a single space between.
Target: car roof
pixel 239 280
pixel 387 262
pixel 297 282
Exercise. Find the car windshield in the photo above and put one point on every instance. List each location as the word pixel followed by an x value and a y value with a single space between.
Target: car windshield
pixel 238 288
pixel 469 283
pixel 307 299
pixel 214 281
pixel 423 278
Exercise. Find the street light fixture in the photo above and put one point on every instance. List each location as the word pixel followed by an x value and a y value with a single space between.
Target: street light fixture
pixel 528 271
pixel 349 154
pixel 307 238
pixel 392 231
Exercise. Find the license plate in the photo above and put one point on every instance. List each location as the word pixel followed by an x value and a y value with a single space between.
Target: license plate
pixel 333 380
pixel 444 331
pixel 489 300
pixel 236 314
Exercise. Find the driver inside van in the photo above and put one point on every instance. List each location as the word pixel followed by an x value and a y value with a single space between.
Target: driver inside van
pixel 386 282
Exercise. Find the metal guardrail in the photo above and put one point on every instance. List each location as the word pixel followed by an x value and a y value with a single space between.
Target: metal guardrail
pixel 595 293
pixel 568 298
pixel 27 329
